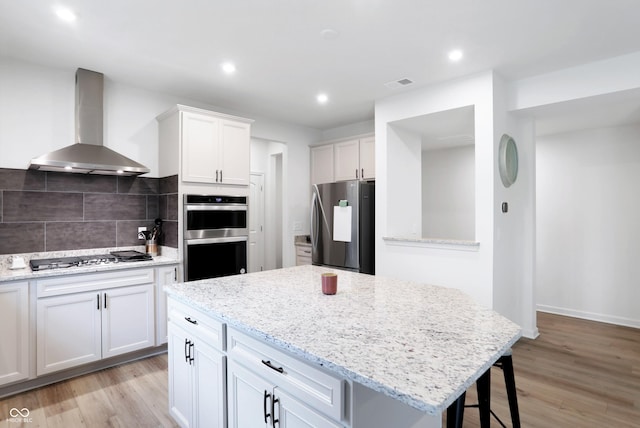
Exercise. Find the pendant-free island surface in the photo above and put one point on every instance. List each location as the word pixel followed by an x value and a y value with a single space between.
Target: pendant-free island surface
pixel 421 344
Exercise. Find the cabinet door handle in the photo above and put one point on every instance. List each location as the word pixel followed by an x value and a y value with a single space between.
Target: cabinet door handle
pixel 220 176
pixel 264 406
pixel 216 175
pixel 356 173
pixel 274 421
pixel 105 300
pixel 362 173
pixel 192 347
pixel 98 300
pixel 175 274
pixel 194 322
pixel 186 350
pixel 271 366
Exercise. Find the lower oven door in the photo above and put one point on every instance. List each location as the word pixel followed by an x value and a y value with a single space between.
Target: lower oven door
pixel 214 257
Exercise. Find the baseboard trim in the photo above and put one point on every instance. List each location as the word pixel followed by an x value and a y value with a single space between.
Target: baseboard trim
pixel 591 316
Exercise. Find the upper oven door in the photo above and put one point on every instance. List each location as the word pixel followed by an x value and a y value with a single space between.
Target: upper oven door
pixel 215 217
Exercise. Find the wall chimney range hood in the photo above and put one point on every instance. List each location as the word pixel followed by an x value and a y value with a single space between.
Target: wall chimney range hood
pixel 88 155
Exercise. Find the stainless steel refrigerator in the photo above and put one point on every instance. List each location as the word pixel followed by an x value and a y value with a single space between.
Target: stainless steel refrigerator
pixel 343 225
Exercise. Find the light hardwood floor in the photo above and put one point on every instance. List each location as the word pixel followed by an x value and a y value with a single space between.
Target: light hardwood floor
pixel 129 395
pixel 577 374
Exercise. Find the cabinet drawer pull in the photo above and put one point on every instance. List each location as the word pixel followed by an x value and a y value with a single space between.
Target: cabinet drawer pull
pixel 194 322
pixel 264 406
pixel 271 366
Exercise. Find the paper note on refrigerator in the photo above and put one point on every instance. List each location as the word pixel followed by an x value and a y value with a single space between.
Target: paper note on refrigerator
pixel 342 224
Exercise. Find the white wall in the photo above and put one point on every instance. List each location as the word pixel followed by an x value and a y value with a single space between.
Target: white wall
pixel 448 193
pixel 588 205
pixel 358 128
pixel 514 231
pixel 37 116
pixel 493 275
pixel 471 272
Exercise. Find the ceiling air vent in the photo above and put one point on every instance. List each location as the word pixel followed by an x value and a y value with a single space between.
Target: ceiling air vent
pixel 399 83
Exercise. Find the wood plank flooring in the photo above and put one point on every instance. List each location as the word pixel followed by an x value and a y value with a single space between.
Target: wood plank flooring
pixel 129 395
pixel 577 374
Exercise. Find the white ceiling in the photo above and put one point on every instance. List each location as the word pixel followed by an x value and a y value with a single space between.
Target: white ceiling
pixel 283 60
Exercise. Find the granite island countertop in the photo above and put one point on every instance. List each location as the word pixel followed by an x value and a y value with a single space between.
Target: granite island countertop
pixel 421 344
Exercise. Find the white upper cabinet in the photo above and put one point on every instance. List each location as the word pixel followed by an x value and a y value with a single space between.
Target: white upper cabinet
pixel 200 148
pixel 204 147
pixel 368 158
pixel 322 164
pixel 346 160
pixel 352 159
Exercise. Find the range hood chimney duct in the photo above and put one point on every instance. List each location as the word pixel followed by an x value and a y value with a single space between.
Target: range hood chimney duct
pixel 88 155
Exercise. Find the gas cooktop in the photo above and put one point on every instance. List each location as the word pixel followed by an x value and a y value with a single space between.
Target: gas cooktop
pixel 94 259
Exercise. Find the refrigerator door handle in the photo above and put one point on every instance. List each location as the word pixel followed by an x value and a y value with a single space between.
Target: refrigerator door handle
pixel 316 202
pixel 313 224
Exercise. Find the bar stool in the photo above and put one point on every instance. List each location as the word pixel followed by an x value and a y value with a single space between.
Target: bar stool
pixel 455 412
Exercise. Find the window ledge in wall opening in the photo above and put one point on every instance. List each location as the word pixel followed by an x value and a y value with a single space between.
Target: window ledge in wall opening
pixel 443 244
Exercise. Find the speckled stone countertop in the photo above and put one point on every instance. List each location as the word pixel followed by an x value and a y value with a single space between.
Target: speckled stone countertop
pixel 421 344
pixel 169 256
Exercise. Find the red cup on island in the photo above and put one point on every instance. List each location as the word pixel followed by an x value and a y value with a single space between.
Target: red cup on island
pixel 329 283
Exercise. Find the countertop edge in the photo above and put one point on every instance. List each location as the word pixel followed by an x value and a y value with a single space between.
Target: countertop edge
pixel 7 275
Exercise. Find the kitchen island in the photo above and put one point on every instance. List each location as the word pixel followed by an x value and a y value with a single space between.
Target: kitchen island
pixel 402 352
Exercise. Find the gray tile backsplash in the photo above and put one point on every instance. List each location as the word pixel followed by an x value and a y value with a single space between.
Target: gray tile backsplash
pixel 50 211
pixel 21 206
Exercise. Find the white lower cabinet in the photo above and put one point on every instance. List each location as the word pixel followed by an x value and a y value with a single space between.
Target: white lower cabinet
pixel 197 372
pixel 14 331
pixel 166 275
pixel 220 377
pixel 256 402
pixel 294 414
pixel 85 318
pixel 80 328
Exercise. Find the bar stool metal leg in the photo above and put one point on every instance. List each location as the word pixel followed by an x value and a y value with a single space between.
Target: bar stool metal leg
pixel 483 386
pixel 455 412
pixel 510 383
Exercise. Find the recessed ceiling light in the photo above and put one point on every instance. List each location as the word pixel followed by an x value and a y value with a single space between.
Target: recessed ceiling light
pixel 455 55
pixel 66 14
pixel 229 67
pixel 322 98
pixel 329 34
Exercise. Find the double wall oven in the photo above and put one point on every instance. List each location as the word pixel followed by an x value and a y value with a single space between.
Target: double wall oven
pixel 216 236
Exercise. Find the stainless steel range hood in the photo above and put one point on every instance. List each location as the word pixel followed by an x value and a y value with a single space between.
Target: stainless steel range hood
pixel 88 155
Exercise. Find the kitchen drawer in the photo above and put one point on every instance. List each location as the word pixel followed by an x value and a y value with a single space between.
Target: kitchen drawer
pixel 300 261
pixel 309 384
pixel 197 323
pixel 303 250
pixel 67 284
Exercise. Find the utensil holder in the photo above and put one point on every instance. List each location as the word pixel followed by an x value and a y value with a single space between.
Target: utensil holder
pixel 151 247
